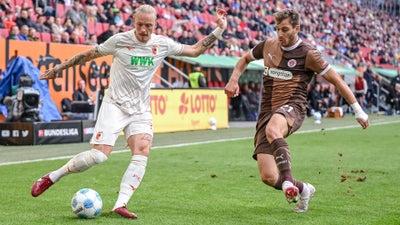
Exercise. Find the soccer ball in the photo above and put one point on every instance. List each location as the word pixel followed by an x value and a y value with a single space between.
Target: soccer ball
pixel 86 203
pixel 213 123
pixel 317 117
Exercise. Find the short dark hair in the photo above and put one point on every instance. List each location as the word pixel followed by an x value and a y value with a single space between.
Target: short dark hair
pixel 292 14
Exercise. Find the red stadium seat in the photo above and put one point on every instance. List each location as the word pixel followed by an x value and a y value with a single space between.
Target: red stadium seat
pixel 45 37
pixel 118 3
pixel 82 40
pixel 91 27
pixel 125 16
pixel 105 26
pixel 270 19
pixel 99 28
pixel 4 33
pixel 60 8
pixel 30 3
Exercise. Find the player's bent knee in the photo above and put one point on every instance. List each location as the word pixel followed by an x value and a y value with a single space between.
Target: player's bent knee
pixel 268 179
pixel 272 133
pixel 106 149
pixel 142 148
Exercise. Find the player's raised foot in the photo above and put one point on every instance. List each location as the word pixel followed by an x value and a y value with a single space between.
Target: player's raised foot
pixel 41 185
pixel 124 212
pixel 291 192
pixel 305 197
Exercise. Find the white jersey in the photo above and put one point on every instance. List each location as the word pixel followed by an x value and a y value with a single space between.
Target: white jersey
pixel 133 66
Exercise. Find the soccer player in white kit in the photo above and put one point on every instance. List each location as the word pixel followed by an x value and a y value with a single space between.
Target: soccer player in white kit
pixel 126 105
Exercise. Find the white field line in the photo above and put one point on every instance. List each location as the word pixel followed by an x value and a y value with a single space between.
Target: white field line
pixel 200 143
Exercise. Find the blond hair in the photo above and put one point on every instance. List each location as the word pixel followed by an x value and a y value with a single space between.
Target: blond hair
pixel 146 9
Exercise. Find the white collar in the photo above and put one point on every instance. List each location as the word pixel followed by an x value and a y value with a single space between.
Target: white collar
pixel 290 48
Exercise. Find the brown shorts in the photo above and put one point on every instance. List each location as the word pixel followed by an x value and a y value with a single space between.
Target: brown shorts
pixel 294 117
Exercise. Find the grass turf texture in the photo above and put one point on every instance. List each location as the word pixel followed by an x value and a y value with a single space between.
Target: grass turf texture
pixel 218 184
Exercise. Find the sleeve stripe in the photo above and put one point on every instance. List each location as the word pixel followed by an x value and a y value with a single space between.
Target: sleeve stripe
pixel 251 54
pixel 323 72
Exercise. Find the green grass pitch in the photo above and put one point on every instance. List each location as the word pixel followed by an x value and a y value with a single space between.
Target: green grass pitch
pixel 356 174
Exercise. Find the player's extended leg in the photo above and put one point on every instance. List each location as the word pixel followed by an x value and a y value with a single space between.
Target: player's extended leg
pixel 109 124
pixel 269 173
pixel 140 146
pixel 79 163
pixel 276 129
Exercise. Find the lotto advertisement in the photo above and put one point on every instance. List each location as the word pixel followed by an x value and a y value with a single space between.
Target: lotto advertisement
pixel 188 109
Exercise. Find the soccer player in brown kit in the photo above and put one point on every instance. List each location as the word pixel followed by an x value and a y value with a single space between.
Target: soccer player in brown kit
pixel 290 65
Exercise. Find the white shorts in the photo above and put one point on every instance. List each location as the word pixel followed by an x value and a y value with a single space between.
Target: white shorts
pixel 112 120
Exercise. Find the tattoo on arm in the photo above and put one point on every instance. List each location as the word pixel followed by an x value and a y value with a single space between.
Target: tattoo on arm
pixel 81 58
pixel 208 41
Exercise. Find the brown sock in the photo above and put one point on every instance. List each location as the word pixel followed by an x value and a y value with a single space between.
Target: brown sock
pixel 283 162
pixel 282 158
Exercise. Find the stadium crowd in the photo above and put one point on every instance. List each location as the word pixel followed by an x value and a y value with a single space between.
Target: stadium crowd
pixel 344 28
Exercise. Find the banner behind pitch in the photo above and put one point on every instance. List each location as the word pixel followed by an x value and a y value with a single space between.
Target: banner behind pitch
pixel 16 133
pixel 188 109
pixel 58 132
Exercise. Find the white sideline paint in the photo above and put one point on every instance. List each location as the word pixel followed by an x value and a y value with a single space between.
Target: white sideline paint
pixel 201 142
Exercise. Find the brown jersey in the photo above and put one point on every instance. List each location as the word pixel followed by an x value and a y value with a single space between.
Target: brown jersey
pixel 287 73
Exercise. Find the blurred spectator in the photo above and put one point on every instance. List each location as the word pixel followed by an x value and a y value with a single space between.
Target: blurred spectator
pixel 80 94
pixel 316 99
pixel 369 78
pixel 178 83
pixel 68 26
pixel 56 37
pixel 101 16
pixel 92 40
pixel 196 78
pixel 394 98
pixel 360 88
pixel 33 35
pixel 107 34
pixel 24 19
pixel 57 27
pixel 24 33
pixel 6 6
pixel 15 34
pixel 249 102
pixel 65 38
pixel 76 14
pixel 40 26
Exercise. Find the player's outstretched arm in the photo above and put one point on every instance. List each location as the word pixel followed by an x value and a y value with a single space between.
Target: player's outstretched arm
pixel 201 46
pixel 232 87
pixel 344 90
pixel 76 60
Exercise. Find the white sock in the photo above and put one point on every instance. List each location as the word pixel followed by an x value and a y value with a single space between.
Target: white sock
pixel 79 163
pixel 286 184
pixel 131 179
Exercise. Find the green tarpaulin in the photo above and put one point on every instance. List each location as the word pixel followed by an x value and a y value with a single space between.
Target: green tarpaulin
pixel 213 61
pixel 229 62
pixel 385 72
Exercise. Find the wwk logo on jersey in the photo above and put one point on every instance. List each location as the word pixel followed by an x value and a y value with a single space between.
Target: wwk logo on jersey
pixel 145 61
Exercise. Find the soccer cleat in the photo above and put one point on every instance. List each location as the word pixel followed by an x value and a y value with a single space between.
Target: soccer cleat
pixel 291 192
pixel 124 212
pixel 41 185
pixel 305 197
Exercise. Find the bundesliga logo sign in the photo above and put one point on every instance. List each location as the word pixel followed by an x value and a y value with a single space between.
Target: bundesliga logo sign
pixel 58 132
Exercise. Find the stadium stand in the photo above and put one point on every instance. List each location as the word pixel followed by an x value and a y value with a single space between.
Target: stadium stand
pixel 332 25
pixel 355 33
